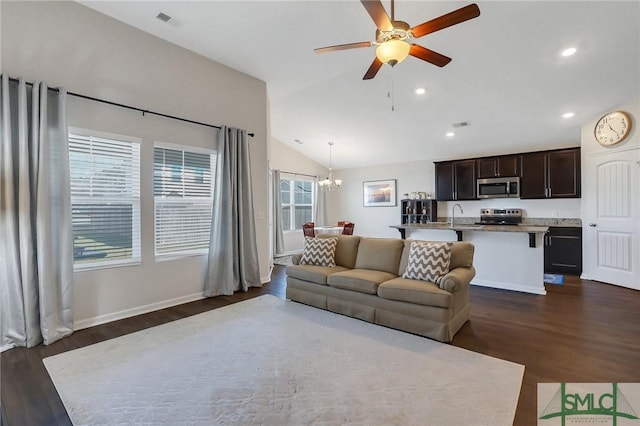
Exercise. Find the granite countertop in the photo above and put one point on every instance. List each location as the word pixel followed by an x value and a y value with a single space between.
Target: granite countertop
pixel 553 221
pixel 526 221
pixel 529 224
pixel 472 227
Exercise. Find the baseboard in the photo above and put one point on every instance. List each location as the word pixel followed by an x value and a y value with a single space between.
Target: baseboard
pixel 264 280
pixel 509 286
pixel 138 310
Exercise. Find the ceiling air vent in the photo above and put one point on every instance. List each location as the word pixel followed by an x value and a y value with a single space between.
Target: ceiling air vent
pixel 461 124
pixel 163 17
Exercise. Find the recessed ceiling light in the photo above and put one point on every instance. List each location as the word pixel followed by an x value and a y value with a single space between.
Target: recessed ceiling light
pixel 568 52
pixel 568 115
pixel 450 134
pixel 420 91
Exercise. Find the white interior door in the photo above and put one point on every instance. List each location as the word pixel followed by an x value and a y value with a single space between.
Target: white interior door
pixel 611 217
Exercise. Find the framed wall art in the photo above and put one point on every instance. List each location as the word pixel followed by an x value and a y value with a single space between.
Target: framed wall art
pixel 379 193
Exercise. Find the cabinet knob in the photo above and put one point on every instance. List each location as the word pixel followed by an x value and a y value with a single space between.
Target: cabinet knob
pixel 593 225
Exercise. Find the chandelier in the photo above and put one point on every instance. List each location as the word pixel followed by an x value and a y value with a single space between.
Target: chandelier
pixel 329 183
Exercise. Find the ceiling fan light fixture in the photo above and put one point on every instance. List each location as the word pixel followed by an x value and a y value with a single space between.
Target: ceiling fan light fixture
pixel 393 51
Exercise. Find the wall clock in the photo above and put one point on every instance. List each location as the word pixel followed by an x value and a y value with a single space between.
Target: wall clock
pixel 612 128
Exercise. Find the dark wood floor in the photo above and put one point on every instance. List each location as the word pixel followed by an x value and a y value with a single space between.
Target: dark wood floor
pixel 582 331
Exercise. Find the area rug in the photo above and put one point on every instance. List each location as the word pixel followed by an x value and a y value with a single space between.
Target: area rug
pixel 276 362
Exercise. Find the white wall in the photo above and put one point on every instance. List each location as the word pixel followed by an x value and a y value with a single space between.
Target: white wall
pixel 287 159
pixel 347 203
pixel 552 208
pixel 67 44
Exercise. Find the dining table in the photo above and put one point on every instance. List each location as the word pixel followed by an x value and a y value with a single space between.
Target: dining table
pixel 328 229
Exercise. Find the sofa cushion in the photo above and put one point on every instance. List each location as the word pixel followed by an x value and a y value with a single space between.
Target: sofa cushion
pixel 379 254
pixel 414 291
pixel 319 251
pixel 360 280
pixel 461 255
pixel 312 273
pixel 346 250
pixel 428 261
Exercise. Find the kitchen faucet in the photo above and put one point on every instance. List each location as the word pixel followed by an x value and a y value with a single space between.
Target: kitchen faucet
pixel 453 213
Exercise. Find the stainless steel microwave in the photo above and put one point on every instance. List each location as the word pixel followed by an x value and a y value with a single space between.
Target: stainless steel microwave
pixel 507 187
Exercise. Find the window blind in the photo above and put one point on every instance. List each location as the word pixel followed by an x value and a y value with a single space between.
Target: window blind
pixel 105 200
pixel 183 195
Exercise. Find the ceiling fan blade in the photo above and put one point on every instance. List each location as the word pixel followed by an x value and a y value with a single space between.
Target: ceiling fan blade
pixel 378 14
pixel 343 47
pixel 452 18
pixel 429 55
pixel 373 69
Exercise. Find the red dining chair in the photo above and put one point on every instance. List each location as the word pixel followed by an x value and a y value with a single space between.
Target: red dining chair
pixel 347 229
pixel 309 229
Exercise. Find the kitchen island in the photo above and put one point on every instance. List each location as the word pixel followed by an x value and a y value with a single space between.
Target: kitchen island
pixel 509 257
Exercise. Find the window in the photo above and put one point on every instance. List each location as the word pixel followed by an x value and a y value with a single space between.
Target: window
pixel 183 194
pixel 298 202
pixel 105 199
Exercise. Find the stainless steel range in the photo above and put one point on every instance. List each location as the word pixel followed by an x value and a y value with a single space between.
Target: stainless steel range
pixel 500 217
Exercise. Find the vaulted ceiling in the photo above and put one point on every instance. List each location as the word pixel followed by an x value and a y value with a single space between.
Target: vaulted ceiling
pixel 507 79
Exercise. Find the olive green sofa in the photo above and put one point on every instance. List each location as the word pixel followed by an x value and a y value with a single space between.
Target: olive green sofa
pixel 367 284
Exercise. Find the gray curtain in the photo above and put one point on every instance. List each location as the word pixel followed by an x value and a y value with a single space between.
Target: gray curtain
pixel 36 247
pixel 278 240
pixel 321 209
pixel 233 253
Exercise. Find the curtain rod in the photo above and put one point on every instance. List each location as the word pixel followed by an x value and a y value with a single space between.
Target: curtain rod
pixel 143 111
pixel 298 174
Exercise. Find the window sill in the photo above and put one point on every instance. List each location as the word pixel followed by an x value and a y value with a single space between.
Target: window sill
pixel 176 256
pixel 87 267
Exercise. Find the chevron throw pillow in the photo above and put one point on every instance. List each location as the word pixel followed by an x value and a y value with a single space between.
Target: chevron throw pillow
pixel 428 261
pixel 319 251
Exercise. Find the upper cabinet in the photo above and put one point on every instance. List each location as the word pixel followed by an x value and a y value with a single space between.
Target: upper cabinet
pixel 456 180
pixel 544 174
pixel 503 166
pixel 550 174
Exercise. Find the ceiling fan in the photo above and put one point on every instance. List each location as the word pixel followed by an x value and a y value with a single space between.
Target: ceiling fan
pixel 393 37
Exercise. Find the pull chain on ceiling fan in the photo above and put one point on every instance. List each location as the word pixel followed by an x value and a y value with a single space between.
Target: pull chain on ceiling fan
pixel 393 38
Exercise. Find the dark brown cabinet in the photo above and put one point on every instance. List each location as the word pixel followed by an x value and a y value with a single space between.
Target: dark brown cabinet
pixel 550 174
pixel 418 211
pixel 503 166
pixel 563 250
pixel 456 180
